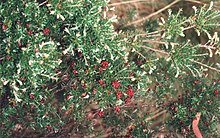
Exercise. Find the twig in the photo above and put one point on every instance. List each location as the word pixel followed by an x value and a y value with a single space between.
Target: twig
pixel 195 127
pixel 212 68
pixel 200 55
pixel 156 115
pixel 151 33
pixel 195 1
pixel 190 70
pixel 153 14
pixel 159 42
pixel 156 50
pixel 141 55
pixel 207 47
pixel 189 27
pixel 126 2
pixel 43 3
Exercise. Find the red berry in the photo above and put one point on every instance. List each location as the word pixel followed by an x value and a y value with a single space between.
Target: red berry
pixel 108 92
pixel 67 96
pixel 83 94
pixel 100 69
pixel 130 127
pixel 127 100
pixel 27 24
pixel 100 113
pixel 216 92
pixel 4 27
pixel 48 127
pixel 30 32
pixel 74 71
pixel 100 82
pixel 46 30
pixel 86 70
pixel 172 107
pixel 72 64
pixel 129 92
pixel 104 63
pixel 21 79
pixel 65 112
pixel 131 74
pixel 31 106
pixel 195 81
pixel 31 96
pixel 115 84
pixel 206 123
pixel 36 50
pixel 175 109
pixel 126 63
pixel 19 44
pixel 118 94
pixel 79 54
pixel 138 61
pixel 93 90
pixel 117 109
pixel 42 100
pixel 187 129
pixel 94 66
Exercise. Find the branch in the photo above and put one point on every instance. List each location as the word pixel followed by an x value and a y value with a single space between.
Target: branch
pixel 153 14
pixel 43 3
pixel 126 2
pixel 195 127
pixel 195 1
pixel 156 115
pixel 159 42
pixel 156 50
pixel 209 67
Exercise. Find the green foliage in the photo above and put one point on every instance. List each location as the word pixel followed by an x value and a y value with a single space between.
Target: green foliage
pixel 199 96
pixel 60 49
pixel 59 57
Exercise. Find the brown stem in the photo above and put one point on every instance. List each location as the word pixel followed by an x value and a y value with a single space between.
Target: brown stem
pixel 153 14
pixel 195 127
pixel 156 50
pixel 209 67
pixel 126 2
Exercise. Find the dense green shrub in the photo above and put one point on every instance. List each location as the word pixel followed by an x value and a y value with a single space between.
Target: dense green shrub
pixel 63 49
pixel 59 57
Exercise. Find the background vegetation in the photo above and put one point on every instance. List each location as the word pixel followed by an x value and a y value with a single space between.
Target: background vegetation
pixel 94 68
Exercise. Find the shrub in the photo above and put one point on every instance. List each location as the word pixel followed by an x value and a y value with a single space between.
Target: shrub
pixel 59 57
